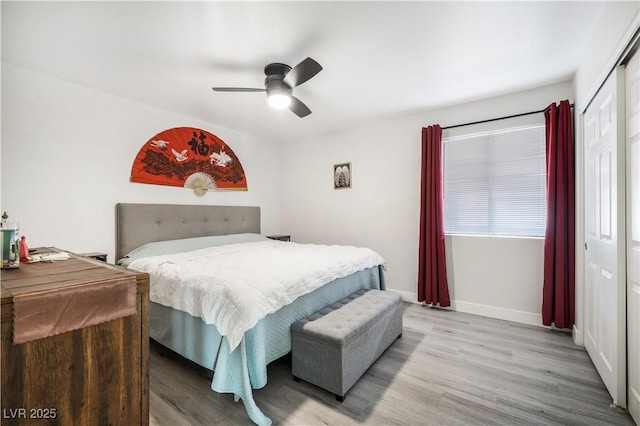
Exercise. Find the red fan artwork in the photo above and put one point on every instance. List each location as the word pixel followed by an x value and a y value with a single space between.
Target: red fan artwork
pixel 188 157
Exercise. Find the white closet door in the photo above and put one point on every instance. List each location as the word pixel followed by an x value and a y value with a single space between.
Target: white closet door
pixel 633 233
pixel 605 307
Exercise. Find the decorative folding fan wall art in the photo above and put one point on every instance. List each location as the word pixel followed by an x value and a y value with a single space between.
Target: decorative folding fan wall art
pixel 191 158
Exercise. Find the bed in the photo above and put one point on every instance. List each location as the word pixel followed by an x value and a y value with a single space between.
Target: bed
pixel 151 235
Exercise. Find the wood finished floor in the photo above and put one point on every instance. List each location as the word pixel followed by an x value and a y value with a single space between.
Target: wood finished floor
pixel 448 368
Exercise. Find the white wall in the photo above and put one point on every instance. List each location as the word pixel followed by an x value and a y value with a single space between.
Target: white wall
pixel 618 23
pixel 497 277
pixel 501 277
pixel 67 152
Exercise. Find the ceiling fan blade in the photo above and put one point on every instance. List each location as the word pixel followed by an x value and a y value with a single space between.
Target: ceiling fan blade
pixel 299 108
pixel 302 72
pixel 237 89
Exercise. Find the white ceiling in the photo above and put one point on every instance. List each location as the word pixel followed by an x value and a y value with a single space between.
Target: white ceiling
pixel 380 59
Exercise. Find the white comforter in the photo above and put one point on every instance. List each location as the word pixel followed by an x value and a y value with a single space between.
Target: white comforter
pixel 236 285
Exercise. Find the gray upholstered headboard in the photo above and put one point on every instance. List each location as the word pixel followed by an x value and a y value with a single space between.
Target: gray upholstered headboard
pixel 138 224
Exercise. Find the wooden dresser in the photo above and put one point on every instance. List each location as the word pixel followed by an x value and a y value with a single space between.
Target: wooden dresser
pixel 93 375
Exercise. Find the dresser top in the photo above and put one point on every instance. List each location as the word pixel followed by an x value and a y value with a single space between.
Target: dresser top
pixel 43 276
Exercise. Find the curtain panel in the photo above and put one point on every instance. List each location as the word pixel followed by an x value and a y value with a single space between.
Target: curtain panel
pixel 432 272
pixel 558 294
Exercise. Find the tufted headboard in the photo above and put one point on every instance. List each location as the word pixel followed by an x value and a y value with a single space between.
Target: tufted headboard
pixel 138 224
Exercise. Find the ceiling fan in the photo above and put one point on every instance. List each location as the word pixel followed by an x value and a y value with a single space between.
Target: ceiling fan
pixel 279 84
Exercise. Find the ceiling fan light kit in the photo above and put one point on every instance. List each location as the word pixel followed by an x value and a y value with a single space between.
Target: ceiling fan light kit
pixel 279 83
pixel 279 100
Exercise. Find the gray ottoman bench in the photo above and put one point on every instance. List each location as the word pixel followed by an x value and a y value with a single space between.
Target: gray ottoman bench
pixel 333 347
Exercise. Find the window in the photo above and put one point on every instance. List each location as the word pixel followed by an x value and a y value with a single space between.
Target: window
pixel 494 183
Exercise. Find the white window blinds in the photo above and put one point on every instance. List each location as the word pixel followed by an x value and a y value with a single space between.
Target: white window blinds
pixel 494 183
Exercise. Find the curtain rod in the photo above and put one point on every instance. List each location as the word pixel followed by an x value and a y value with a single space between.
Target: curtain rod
pixel 498 118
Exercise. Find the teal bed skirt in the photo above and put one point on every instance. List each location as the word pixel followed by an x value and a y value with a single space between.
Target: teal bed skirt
pixel 245 369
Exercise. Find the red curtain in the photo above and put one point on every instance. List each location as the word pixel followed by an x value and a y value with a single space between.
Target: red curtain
pixel 432 271
pixel 558 293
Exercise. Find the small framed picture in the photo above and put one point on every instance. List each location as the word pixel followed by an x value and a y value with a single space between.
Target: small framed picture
pixel 342 176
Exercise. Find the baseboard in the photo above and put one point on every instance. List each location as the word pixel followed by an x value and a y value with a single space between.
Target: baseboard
pixel 578 337
pixel 482 310
pixel 406 296
pixel 497 312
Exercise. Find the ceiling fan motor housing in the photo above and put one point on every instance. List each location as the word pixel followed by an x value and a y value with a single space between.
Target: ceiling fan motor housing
pixel 274 81
pixel 277 69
